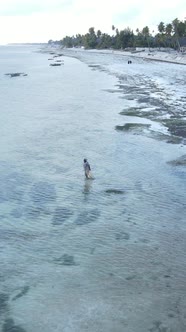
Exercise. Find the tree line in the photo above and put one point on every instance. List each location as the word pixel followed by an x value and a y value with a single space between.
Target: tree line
pixel 168 35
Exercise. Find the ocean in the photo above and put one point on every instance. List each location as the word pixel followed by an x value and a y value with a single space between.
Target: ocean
pixel 102 255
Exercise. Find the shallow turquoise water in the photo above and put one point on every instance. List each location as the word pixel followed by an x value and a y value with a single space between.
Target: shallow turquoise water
pixel 78 255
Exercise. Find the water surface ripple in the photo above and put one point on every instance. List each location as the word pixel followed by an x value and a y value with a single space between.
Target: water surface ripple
pixel 101 255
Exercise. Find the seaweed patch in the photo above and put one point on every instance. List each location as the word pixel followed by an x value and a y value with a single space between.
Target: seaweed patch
pixel 61 215
pixel 65 260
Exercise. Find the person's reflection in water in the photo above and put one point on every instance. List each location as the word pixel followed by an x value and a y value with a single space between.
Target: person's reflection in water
pixel 87 188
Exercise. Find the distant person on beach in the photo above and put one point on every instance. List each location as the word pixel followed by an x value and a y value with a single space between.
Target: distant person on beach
pixel 87 169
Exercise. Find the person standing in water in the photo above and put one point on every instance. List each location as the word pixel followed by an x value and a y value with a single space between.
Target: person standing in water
pixel 87 169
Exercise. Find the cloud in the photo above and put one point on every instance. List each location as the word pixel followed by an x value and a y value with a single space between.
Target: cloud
pixel 41 20
pixel 29 7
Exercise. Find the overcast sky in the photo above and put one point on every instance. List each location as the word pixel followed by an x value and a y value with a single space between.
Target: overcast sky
pixel 41 20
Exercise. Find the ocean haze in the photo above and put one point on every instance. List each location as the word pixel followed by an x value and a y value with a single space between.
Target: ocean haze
pixel 81 255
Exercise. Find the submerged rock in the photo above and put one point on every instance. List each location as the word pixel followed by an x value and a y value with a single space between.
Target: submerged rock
pixel 176 127
pixel 114 191
pixel 21 293
pixel 42 193
pixel 174 140
pixel 122 236
pixel 65 260
pixel 151 101
pixel 133 127
pixel 33 212
pixel 17 213
pixel 16 74
pixel 9 326
pixel 87 217
pixel 61 215
pixel 95 66
pixel 159 326
pixel 181 161
pixel 55 64
pixel 3 302
pixel 144 113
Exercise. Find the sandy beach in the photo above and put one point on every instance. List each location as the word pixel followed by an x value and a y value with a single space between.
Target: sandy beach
pixel 163 56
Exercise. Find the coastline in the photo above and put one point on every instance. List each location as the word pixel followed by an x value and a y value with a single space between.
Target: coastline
pixel 161 56
pixel 173 122
pixel 155 55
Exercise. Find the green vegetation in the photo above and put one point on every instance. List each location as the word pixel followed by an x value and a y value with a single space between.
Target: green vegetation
pixel 169 35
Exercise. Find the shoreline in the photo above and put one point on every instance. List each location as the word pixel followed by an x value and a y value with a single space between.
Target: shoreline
pixel 155 55
pixel 159 56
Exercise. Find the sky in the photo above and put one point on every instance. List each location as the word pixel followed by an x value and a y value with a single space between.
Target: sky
pixel 40 20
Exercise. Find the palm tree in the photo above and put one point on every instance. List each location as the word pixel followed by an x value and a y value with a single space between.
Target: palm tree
pixel 168 32
pixel 161 34
pixel 99 33
pixel 168 29
pixel 175 24
pixel 146 34
pixel 113 28
pixel 161 27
